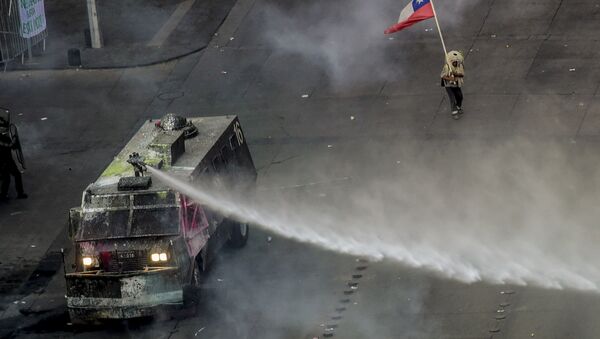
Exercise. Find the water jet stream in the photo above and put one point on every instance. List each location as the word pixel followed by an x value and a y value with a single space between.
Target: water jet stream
pixel 411 221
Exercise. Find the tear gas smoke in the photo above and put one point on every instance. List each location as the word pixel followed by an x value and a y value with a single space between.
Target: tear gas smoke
pixel 513 213
pixel 345 37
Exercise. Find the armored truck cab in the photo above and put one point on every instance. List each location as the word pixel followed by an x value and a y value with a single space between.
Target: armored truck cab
pixel 140 245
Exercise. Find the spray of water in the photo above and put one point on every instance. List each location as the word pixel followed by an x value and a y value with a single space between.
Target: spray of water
pixel 507 214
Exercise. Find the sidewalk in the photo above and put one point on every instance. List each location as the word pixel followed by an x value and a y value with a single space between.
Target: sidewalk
pixel 135 32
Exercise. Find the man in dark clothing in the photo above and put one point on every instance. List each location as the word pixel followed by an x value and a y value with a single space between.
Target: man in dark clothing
pixel 8 166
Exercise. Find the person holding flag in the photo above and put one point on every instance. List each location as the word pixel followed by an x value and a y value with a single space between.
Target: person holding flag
pixel 453 71
pixel 452 76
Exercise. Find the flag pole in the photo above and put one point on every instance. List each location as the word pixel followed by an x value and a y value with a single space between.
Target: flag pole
pixel 437 23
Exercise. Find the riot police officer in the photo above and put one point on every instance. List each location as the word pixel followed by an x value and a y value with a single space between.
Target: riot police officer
pixel 8 166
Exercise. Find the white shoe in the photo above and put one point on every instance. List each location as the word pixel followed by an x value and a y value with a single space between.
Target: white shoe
pixel 454 112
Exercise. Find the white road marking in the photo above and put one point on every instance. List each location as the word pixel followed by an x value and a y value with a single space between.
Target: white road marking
pixel 166 30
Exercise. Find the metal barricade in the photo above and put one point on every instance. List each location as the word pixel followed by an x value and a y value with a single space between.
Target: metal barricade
pixel 12 44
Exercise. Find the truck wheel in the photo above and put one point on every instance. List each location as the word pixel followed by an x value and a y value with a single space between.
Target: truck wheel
pixel 238 235
pixel 191 292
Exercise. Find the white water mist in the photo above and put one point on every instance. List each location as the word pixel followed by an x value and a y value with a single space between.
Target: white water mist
pixel 505 214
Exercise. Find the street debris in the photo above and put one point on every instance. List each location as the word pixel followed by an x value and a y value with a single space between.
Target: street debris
pixel 571 69
pixel 304 96
pixel 16 213
pixel 329 146
pixel 352 117
pixel 428 29
pixel 231 38
pixel 507 45
pixel 44 118
pixel 32 246
pixel 219 280
pixel 200 330
pixel 269 239
pixel 493 35
pixel 223 72
pixel 391 38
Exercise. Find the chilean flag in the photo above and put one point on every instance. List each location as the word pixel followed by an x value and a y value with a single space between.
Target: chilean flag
pixel 415 11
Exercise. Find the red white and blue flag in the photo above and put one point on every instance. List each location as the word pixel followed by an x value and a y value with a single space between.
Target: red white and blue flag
pixel 415 11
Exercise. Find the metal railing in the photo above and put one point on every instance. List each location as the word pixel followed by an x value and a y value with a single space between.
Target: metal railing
pixel 12 44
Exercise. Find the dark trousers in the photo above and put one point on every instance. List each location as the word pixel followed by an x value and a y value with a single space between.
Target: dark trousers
pixel 456 97
pixel 10 168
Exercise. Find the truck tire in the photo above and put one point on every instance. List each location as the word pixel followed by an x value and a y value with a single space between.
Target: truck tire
pixel 191 292
pixel 238 235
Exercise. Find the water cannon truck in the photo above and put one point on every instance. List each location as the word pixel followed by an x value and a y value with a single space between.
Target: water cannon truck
pixel 140 246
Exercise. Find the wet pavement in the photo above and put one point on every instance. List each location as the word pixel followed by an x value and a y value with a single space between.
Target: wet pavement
pixel 134 32
pixel 533 74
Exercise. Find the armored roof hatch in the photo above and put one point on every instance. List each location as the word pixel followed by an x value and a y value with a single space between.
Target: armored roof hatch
pixel 173 122
pixel 134 183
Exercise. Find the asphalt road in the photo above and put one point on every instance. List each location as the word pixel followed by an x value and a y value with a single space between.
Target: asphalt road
pixel 324 96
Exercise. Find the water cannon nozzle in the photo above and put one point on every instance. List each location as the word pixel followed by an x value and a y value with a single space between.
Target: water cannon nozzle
pixel 138 164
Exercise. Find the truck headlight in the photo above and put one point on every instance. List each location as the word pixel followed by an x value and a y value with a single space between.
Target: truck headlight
pixel 156 257
pixel 88 261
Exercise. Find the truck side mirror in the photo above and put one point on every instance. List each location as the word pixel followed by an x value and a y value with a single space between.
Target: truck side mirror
pixel 74 221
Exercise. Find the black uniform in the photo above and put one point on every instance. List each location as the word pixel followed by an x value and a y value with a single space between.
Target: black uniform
pixel 8 166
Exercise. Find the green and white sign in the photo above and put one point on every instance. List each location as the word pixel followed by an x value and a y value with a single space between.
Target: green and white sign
pixel 33 17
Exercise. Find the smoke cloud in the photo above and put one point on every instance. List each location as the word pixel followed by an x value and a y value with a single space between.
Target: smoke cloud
pixel 345 38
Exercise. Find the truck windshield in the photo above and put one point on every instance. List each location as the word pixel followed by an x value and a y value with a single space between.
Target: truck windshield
pixel 129 215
